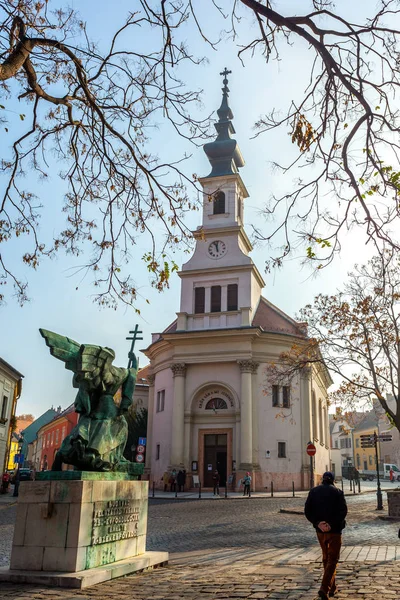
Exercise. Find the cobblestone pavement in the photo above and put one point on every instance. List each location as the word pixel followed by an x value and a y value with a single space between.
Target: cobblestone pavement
pixel 246 549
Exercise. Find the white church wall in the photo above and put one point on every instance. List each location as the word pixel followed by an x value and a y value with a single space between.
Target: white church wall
pixel 162 422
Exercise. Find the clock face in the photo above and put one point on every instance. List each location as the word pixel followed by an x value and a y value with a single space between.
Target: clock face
pixel 217 249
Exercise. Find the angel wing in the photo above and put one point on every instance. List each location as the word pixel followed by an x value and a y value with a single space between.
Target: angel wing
pixel 94 361
pixel 62 348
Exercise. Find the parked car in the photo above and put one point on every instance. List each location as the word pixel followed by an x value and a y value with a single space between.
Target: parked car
pixel 24 475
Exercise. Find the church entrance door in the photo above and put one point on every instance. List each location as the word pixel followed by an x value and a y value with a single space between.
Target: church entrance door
pixel 215 457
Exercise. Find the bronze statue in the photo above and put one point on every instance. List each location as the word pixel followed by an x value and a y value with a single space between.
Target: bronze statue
pixel 98 440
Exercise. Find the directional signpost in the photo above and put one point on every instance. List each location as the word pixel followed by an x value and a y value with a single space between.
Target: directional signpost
pixel 311 451
pixel 371 440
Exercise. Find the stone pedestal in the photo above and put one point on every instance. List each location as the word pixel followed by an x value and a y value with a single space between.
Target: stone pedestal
pixel 74 526
pixel 393 497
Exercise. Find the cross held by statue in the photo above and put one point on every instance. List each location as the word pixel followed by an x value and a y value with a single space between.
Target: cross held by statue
pixel 135 337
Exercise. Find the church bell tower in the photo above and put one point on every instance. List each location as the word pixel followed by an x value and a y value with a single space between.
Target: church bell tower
pixel 221 286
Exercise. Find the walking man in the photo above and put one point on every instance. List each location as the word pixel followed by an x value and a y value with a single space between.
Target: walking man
pixel 326 509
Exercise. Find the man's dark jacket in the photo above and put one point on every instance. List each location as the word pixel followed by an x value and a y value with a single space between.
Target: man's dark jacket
pixel 326 503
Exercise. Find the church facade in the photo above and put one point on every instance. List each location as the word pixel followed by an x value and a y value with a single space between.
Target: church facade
pixel 211 405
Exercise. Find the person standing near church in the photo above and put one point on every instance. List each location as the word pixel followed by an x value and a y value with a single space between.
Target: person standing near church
pixel 246 484
pixel 326 509
pixel 216 480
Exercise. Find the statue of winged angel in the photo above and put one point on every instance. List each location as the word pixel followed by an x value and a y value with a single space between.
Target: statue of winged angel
pixel 98 440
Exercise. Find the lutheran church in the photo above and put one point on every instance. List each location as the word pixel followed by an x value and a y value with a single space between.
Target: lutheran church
pixel 210 403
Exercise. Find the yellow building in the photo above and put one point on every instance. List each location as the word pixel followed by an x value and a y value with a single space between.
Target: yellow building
pixel 364 458
pixel 13 450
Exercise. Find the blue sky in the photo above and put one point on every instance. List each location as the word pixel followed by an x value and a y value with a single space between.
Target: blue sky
pixel 61 301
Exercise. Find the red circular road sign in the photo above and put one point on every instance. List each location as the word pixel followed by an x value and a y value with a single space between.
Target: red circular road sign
pixel 311 449
pixel 139 458
pixel 140 449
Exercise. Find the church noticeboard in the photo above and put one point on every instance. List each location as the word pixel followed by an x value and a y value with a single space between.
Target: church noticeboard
pixel 115 520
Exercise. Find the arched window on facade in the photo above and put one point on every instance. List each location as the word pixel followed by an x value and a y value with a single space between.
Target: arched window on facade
pixel 314 415
pixel 216 404
pixel 321 423
pixel 358 461
pixel 219 203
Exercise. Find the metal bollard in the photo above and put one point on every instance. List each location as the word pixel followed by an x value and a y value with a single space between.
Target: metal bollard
pixel 342 484
pixel 272 489
pixel 359 486
pixel 351 486
pixel 154 485
pixel 354 486
pixel 226 492
pixel 176 491
pixel 293 488
pixel 199 489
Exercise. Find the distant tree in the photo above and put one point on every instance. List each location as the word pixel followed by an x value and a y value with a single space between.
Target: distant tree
pixel 93 110
pixel 356 335
pixel 137 427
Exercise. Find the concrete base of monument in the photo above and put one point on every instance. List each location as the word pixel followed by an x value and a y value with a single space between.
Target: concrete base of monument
pixel 83 579
pixel 86 578
pixel 88 528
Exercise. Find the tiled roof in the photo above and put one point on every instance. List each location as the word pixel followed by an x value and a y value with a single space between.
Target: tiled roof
pixel 171 327
pixel 270 318
pixel 142 375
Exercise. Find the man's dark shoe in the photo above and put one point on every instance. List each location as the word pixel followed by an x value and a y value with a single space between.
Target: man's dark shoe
pixel 332 593
pixel 322 595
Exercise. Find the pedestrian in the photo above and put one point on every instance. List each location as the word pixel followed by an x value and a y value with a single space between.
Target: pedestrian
pixel 184 479
pixel 246 484
pixel 216 480
pixel 165 480
pixel 180 479
pixel 391 475
pixel 326 509
pixel 5 482
pixel 172 481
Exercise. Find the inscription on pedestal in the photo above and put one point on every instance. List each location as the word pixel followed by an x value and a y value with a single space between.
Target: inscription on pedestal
pixel 115 520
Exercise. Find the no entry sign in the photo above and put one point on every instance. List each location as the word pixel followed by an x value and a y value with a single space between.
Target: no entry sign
pixel 311 449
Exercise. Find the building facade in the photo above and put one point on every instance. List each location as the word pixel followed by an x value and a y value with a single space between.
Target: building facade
pixel 51 435
pixel 211 402
pixel 10 391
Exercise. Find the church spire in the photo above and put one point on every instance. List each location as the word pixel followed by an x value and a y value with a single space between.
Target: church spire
pixel 224 153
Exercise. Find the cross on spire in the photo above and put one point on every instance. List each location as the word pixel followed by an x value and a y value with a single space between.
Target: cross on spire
pixel 224 73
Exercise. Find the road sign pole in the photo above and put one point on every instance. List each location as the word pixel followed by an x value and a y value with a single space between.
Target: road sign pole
pixel 311 473
pixel 378 490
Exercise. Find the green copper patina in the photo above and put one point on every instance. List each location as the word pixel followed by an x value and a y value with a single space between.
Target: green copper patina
pixel 98 440
pixel 224 153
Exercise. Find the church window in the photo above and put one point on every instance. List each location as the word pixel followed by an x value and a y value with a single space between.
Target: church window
pixel 4 408
pixel 370 461
pixel 216 298
pixel 158 452
pixel 216 404
pixel 286 396
pixel 281 449
pixel 232 296
pixel 199 300
pixel 275 395
pixel 219 203
pixel 239 207
pixel 357 443
pixel 160 400
pixel 57 434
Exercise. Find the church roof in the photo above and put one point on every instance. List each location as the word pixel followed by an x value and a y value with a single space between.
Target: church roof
pixel 142 375
pixel 270 318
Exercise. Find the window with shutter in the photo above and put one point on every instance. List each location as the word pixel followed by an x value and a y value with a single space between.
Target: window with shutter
pixel 199 300
pixel 286 396
pixel 232 296
pixel 219 203
pixel 275 395
pixel 216 298
pixel 281 449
